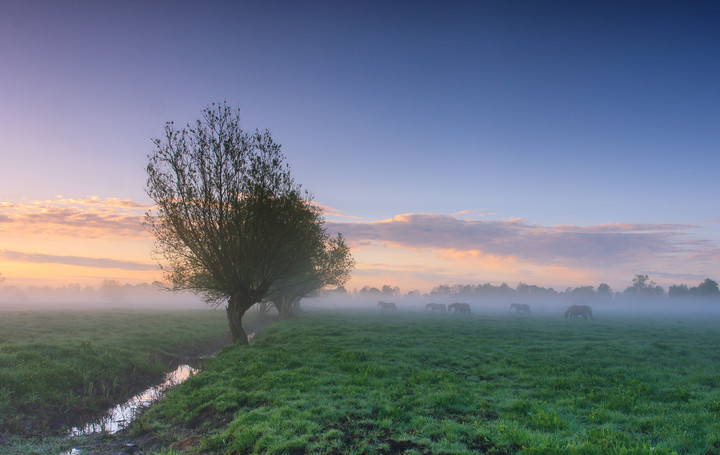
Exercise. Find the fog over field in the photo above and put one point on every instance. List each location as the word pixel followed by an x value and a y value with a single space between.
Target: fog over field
pixel 540 307
pixel 111 295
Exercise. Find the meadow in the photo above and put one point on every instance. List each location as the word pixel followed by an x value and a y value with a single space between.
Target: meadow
pixel 59 368
pixel 382 383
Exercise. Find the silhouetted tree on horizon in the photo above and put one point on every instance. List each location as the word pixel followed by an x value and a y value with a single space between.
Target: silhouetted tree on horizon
pixel 367 290
pixel 583 291
pixel 708 288
pixel 643 287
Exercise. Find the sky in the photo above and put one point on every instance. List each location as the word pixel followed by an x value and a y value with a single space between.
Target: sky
pixel 551 143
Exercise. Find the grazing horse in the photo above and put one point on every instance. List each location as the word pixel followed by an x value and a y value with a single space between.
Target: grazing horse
pixel 462 308
pixel 520 308
pixel 436 306
pixel 387 306
pixel 575 311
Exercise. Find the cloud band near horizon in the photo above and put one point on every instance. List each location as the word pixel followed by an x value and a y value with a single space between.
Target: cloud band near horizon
pixel 104 263
pixel 415 247
pixel 90 217
pixel 599 245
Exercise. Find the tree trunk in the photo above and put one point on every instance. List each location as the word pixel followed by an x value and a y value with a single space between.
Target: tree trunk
pixel 235 312
pixel 263 308
pixel 296 306
pixel 284 306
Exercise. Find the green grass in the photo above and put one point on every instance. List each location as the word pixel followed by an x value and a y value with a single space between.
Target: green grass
pixel 57 366
pixel 416 384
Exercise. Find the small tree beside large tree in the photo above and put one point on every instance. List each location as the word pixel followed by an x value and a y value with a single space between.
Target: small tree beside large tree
pixel 330 265
pixel 230 222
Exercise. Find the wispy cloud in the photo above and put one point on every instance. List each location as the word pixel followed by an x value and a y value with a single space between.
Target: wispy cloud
pixel 692 278
pixel 474 212
pixel 90 217
pixel 330 211
pixel 105 263
pixel 709 255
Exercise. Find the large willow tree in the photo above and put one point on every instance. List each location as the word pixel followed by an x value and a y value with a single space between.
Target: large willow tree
pixel 230 223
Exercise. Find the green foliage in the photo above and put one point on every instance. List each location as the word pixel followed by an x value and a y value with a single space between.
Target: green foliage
pixel 359 383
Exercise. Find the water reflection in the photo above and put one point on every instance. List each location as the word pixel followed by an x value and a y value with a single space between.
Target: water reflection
pixel 121 415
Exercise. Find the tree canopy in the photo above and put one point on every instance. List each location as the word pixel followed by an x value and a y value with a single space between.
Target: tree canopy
pixel 708 288
pixel 230 222
pixel 643 287
pixel 329 265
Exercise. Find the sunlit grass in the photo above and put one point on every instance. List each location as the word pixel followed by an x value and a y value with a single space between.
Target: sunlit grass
pixel 354 383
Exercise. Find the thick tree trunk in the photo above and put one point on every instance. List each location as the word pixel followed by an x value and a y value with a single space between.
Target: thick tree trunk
pixel 235 312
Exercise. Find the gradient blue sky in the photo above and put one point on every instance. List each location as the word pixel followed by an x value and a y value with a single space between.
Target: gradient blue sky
pixel 557 143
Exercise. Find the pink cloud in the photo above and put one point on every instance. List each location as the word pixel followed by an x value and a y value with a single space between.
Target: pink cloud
pixel 329 211
pixel 18 256
pixel 712 255
pixel 90 217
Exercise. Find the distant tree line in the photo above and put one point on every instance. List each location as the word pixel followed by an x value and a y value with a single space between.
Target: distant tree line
pixel 641 287
pixel 386 290
pixel 707 288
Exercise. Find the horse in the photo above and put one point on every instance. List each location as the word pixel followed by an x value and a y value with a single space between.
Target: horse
pixel 436 306
pixel 520 308
pixel 575 311
pixel 387 306
pixel 462 308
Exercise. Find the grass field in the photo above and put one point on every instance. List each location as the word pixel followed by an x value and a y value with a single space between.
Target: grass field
pixel 414 383
pixel 56 367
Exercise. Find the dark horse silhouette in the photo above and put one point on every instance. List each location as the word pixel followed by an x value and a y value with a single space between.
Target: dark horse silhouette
pixel 462 308
pixel 520 308
pixel 436 306
pixel 387 306
pixel 575 311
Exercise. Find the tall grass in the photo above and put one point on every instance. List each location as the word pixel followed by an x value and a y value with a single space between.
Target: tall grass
pixel 396 383
pixel 56 367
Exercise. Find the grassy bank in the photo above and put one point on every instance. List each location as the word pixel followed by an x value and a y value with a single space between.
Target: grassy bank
pixel 57 367
pixel 398 383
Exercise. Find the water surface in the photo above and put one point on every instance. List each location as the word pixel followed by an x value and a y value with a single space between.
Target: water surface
pixel 121 415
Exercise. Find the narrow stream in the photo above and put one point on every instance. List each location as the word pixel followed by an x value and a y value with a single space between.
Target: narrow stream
pixel 121 415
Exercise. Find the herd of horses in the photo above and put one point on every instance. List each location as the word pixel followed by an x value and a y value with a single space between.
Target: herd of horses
pixel 458 307
pixel 573 312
